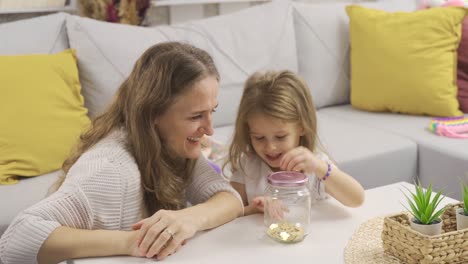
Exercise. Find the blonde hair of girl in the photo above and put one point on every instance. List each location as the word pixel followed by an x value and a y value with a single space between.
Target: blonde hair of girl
pixel 278 94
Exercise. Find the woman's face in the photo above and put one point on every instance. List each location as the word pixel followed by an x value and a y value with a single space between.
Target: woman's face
pixel 189 118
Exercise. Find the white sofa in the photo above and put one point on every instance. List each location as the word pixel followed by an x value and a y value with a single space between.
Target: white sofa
pixel 311 39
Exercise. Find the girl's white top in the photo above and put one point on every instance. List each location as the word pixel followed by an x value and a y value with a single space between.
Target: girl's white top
pixel 101 191
pixel 255 172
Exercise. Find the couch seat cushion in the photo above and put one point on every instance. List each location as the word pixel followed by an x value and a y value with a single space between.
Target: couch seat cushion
pixel 26 193
pixel 442 161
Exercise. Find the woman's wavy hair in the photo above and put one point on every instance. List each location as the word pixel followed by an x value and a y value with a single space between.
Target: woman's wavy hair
pixel 162 73
pixel 278 94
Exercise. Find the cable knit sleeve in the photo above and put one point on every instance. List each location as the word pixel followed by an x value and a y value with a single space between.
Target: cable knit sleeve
pixel 90 198
pixel 206 182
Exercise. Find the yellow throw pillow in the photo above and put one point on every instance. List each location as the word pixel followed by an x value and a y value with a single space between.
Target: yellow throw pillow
pixel 42 113
pixel 405 62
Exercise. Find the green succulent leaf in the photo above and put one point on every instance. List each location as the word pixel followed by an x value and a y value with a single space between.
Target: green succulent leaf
pixel 436 215
pixel 423 204
pixel 464 186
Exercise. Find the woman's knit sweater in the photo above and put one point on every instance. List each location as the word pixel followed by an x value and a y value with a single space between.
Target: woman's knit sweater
pixel 101 191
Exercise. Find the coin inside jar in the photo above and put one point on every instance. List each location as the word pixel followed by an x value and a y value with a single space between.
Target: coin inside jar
pixel 286 232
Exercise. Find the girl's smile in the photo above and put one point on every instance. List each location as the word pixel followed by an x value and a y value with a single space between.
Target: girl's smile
pixel 271 137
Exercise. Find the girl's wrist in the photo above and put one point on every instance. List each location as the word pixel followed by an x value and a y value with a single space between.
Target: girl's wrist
pixel 251 209
pixel 322 169
pixel 328 173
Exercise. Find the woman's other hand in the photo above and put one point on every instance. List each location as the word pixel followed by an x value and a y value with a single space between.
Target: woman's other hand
pixel 164 233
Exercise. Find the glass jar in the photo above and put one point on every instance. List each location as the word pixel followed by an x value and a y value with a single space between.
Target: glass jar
pixel 287 206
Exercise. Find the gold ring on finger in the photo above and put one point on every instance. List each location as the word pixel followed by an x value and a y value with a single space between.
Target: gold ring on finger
pixel 170 233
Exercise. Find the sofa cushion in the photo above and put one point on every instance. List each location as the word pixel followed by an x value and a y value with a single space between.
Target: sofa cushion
pixel 322 41
pixel 442 161
pixel 42 113
pixel 46 34
pixel 20 196
pixel 404 62
pixel 367 154
pixel 240 43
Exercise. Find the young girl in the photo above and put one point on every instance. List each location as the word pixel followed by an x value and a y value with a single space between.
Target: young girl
pixel 276 129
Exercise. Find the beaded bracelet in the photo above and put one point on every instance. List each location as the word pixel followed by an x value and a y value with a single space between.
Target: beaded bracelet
pixel 328 171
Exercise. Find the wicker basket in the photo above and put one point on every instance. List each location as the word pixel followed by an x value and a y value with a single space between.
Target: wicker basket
pixel 402 242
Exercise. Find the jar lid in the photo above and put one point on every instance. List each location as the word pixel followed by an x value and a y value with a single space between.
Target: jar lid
pixel 287 179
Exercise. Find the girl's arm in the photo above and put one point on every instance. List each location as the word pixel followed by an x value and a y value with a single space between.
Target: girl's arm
pixel 240 188
pixel 338 184
pixel 251 208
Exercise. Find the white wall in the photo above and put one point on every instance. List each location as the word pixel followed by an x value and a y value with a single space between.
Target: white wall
pixel 178 11
pixel 174 11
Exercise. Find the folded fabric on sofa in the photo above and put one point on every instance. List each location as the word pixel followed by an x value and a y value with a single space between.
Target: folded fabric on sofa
pixel 456 127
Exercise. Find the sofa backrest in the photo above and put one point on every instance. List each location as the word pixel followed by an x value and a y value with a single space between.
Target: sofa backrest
pixel 46 34
pixel 240 43
pixel 311 39
pixel 322 39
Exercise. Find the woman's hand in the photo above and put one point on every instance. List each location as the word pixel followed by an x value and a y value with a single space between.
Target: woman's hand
pixel 164 233
pixel 299 159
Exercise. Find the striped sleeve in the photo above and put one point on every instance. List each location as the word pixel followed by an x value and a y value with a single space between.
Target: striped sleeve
pixel 28 231
pixel 90 198
pixel 206 183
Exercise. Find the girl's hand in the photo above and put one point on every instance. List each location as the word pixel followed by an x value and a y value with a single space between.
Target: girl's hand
pixel 164 233
pixel 276 208
pixel 299 159
pixel 259 203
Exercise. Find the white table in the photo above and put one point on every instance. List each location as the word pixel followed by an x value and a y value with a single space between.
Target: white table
pixel 243 240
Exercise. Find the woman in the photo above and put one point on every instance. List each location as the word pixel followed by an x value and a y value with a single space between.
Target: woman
pixel 140 158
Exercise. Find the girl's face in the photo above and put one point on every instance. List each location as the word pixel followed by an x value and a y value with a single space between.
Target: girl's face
pixel 189 118
pixel 272 138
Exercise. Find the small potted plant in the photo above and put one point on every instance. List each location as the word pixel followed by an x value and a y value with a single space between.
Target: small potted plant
pixel 426 219
pixel 462 213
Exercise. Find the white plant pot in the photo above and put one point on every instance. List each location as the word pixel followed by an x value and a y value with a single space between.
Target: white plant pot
pixel 462 219
pixel 429 230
